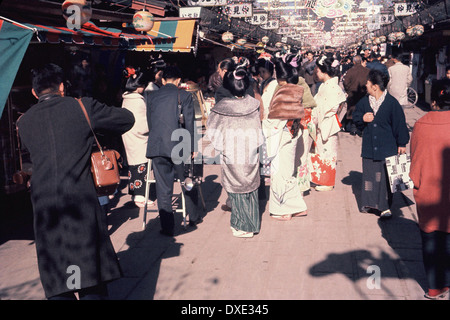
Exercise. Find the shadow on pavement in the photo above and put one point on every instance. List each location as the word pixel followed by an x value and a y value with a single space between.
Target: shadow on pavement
pixel 403 236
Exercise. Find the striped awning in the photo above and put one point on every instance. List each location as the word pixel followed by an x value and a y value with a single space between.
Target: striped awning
pixel 181 30
pixel 90 34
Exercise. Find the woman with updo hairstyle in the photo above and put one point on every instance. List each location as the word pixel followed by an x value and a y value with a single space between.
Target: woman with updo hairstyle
pixel 306 125
pixel 381 119
pixel 328 98
pixel 234 129
pixel 282 132
pixel 135 140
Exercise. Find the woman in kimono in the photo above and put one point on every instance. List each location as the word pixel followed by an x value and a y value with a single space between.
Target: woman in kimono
pixel 307 126
pixel 135 140
pixel 234 129
pixel 283 133
pixel 328 99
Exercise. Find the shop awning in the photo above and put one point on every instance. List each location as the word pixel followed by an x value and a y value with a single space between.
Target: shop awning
pixel 14 41
pixel 90 34
pixel 180 29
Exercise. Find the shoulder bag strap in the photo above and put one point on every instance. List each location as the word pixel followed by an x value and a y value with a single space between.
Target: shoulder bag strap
pixel 180 114
pixel 89 122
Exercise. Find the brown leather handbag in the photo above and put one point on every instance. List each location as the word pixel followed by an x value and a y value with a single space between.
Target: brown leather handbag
pixel 105 165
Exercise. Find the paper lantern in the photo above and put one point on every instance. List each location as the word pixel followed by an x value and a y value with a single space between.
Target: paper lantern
pixel 143 21
pixel 265 39
pixel 70 9
pixel 241 41
pixel 400 35
pixel 418 30
pixel 227 37
pixel 259 48
pixel 410 31
pixel 392 37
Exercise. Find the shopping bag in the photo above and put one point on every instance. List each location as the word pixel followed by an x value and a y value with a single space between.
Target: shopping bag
pixel 398 167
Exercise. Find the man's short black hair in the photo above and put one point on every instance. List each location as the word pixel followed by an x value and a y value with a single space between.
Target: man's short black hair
pixel 48 77
pixel 172 72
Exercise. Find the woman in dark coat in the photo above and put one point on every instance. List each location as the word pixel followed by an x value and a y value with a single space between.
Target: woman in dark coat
pixel 73 247
pixel 381 119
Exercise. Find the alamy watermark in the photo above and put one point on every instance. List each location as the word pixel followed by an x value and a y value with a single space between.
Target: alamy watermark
pixel 74 280
pixel 374 280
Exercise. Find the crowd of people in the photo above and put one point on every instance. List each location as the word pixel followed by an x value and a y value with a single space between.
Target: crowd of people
pixel 276 120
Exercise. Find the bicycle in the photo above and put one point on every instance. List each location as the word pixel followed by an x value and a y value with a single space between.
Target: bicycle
pixel 412 97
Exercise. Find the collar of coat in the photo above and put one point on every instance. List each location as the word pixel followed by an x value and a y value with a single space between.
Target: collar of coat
pixel 236 107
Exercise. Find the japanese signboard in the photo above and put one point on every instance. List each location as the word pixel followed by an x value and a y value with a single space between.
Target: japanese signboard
pixel 387 18
pixel 207 3
pixel 257 18
pixel 190 12
pixel 406 9
pixel 270 25
pixel 239 10
pixel 284 30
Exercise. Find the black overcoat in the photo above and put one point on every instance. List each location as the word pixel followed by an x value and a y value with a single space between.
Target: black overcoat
pixel 162 117
pixel 69 224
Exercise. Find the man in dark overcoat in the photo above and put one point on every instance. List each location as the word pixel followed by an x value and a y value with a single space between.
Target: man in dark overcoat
pixel 355 86
pixel 170 147
pixel 73 247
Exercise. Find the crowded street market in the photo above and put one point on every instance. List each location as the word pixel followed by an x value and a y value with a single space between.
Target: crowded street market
pixel 211 152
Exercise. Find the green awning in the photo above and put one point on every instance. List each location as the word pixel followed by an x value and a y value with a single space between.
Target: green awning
pixel 14 41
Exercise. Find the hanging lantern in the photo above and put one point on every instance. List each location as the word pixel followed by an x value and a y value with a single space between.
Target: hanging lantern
pixel 400 35
pixel 241 41
pixel 418 30
pixel 227 37
pixel 392 37
pixel 265 39
pixel 259 48
pixel 410 31
pixel 143 21
pixel 382 39
pixel 71 7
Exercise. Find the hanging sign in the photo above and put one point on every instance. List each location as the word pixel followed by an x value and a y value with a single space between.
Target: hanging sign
pixel 284 30
pixel 405 9
pixel 374 22
pixel 239 10
pixel 190 12
pixel 207 3
pixel 270 25
pixel 257 18
pixel 387 18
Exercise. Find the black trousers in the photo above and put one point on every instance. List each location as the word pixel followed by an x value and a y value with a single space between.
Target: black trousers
pixel 165 172
pixel 436 258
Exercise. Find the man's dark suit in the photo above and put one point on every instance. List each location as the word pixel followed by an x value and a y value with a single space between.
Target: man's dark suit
pixel 162 117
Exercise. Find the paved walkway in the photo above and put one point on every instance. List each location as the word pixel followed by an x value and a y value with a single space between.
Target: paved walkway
pixel 330 254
